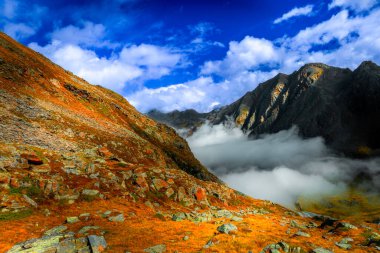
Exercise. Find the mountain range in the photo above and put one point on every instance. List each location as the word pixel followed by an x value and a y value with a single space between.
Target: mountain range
pixel 338 104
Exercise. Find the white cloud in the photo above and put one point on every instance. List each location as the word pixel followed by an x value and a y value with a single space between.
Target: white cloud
pixel 19 30
pixel 355 5
pixel 131 65
pixel 203 93
pixel 295 12
pixel 244 55
pixel 89 35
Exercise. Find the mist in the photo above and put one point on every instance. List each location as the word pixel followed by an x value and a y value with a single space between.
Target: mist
pixel 280 167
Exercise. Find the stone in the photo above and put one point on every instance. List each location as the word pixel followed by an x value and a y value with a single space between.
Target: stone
pixel 85 229
pixel 345 225
pixel 30 201
pixel 117 218
pixel 106 214
pixel 227 228
pixel 56 230
pixel 156 249
pixel 321 250
pixel 223 214
pixel 159 184
pixel 39 245
pixel 181 193
pixel 140 181
pixel 185 238
pixel 97 243
pixel 169 192
pixel 179 216
pixel 89 192
pixel 301 233
pixel 67 246
pixel 71 220
pixel 200 194
pixel 236 218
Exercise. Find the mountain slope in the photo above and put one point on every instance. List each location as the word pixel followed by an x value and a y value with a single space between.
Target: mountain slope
pixel 43 105
pixel 339 104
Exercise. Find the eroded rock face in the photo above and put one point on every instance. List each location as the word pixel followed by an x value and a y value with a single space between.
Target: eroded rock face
pixel 338 104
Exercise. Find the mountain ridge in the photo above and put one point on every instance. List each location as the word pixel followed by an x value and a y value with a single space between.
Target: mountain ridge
pixel 321 100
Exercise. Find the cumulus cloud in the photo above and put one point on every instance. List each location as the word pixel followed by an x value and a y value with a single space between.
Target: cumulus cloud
pixel 131 65
pixel 355 5
pixel 89 35
pixel 295 12
pixel 202 93
pixel 280 167
pixel 343 40
pixel 19 30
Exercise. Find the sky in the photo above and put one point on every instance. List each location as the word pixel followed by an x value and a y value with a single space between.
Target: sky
pixel 176 55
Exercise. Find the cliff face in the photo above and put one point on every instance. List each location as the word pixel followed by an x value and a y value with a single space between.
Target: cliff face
pixel 338 104
pixel 43 105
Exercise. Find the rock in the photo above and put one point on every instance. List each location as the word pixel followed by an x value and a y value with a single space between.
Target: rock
pixel 321 250
pixel 227 228
pixel 97 243
pixel 117 218
pixel 67 246
pixel 56 230
pixel 71 220
pixel 30 201
pixel 85 229
pixel 106 213
pixel 223 214
pixel 185 238
pixel 140 181
pixel 211 243
pixel 169 192
pixel 301 233
pixel 181 193
pixel 44 244
pixel 345 246
pixel 200 194
pixel 156 249
pixel 345 225
pixel 90 193
pixel 294 224
pixel 179 216
pixel 236 218
pixel 159 184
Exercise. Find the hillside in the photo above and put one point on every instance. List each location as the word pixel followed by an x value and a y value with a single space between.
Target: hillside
pixel 338 104
pixel 82 171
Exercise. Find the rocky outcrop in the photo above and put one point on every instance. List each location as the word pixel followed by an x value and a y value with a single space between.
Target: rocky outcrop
pixel 43 105
pixel 338 104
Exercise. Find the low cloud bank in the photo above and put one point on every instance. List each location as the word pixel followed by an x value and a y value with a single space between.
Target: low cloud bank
pixel 280 167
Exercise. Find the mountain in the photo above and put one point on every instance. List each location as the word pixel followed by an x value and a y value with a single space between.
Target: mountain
pixel 82 171
pixel 338 104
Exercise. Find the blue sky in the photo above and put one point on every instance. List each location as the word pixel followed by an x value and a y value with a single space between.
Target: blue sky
pixel 193 54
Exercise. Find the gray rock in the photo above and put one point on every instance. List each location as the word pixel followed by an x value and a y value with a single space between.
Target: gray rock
pixel 30 201
pixel 156 249
pixel 97 243
pixel 73 219
pixel 44 244
pixel 321 250
pixel 301 233
pixel 179 216
pixel 89 192
pixel 56 230
pixel 226 228
pixel 117 218
pixel 85 229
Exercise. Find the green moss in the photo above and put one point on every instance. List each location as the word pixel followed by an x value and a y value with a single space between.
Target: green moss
pixel 15 215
